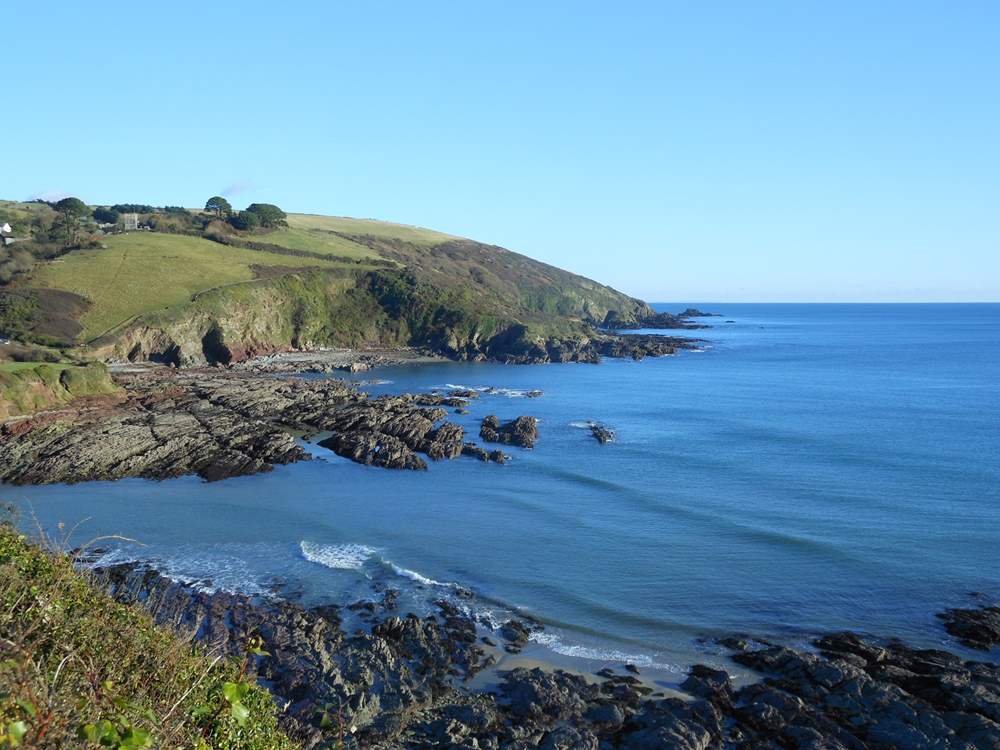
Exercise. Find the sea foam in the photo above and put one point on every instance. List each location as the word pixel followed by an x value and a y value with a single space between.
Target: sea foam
pixel 554 643
pixel 337 556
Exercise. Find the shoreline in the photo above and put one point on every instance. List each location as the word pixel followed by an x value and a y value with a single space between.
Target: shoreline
pixel 404 679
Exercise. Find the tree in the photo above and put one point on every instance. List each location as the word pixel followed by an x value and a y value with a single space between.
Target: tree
pixel 245 221
pixel 72 207
pixel 105 215
pixel 219 206
pixel 269 214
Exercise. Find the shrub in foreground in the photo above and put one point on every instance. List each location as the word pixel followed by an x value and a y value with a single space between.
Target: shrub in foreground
pixel 78 669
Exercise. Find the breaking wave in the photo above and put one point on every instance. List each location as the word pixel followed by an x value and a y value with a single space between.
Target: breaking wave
pixel 554 643
pixel 337 556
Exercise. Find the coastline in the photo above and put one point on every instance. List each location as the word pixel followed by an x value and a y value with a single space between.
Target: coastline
pixel 623 695
pixel 401 679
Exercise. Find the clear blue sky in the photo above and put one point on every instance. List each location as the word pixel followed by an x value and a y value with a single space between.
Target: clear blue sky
pixel 679 151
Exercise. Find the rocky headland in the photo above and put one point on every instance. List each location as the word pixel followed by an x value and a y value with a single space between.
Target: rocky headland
pixel 217 423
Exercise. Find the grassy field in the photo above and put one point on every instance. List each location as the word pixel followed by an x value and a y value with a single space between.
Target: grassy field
pixel 144 272
pixel 317 241
pixel 382 229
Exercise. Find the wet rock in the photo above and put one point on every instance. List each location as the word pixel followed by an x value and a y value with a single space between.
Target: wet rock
pixel 471 449
pixel 601 433
pixel 516 634
pixel 705 682
pixel 463 393
pixel 444 441
pixel 522 431
pixel 975 628
pixel 374 449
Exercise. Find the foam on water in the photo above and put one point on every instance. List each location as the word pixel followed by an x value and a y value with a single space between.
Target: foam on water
pixel 337 556
pixel 553 642
pixel 414 575
pixel 491 390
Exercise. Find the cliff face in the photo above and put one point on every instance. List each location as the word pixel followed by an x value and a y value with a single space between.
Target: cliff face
pixel 377 309
pixel 27 390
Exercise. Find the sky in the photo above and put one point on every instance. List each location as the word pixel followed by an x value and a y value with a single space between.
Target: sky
pixel 701 151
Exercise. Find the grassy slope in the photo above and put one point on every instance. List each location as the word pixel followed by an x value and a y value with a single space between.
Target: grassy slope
pixel 27 387
pixel 73 659
pixel 144 272
pixel 317 241
pixel 384 229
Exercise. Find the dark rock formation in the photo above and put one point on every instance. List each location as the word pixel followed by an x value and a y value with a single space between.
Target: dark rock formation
pixel 522 431
pixel 975 628
pixel 663 320
pixel 601 433
pixel 694 312
pixel 219 424
pixel 471 449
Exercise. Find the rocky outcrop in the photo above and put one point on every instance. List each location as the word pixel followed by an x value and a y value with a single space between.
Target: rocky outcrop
pixel 403 683
pixel 663 320
pixel 522 431
pixel 218 424
pixel 471 449
pixel 601 433
pixel 975 628
pixel 153 435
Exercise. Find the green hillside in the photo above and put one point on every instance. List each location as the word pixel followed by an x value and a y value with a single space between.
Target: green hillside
pixel 303 281
pixel 146 272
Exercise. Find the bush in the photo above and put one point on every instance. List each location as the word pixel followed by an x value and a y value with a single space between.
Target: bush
pixel 80 669
pixel 245 221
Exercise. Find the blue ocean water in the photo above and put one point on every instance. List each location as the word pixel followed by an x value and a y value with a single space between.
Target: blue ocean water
pixel 816 467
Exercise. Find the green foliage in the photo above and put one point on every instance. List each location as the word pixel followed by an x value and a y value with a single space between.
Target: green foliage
pixel 219 206
pixel 106 215
pixel 268 214
pixel 26 387
pixel 133 208
pixel 245 221
pixel 80 670
pixel 72 207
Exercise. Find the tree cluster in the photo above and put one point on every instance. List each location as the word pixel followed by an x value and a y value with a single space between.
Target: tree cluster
pixel 256 215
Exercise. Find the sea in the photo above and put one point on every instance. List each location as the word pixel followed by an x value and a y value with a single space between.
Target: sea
pixel 806 468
